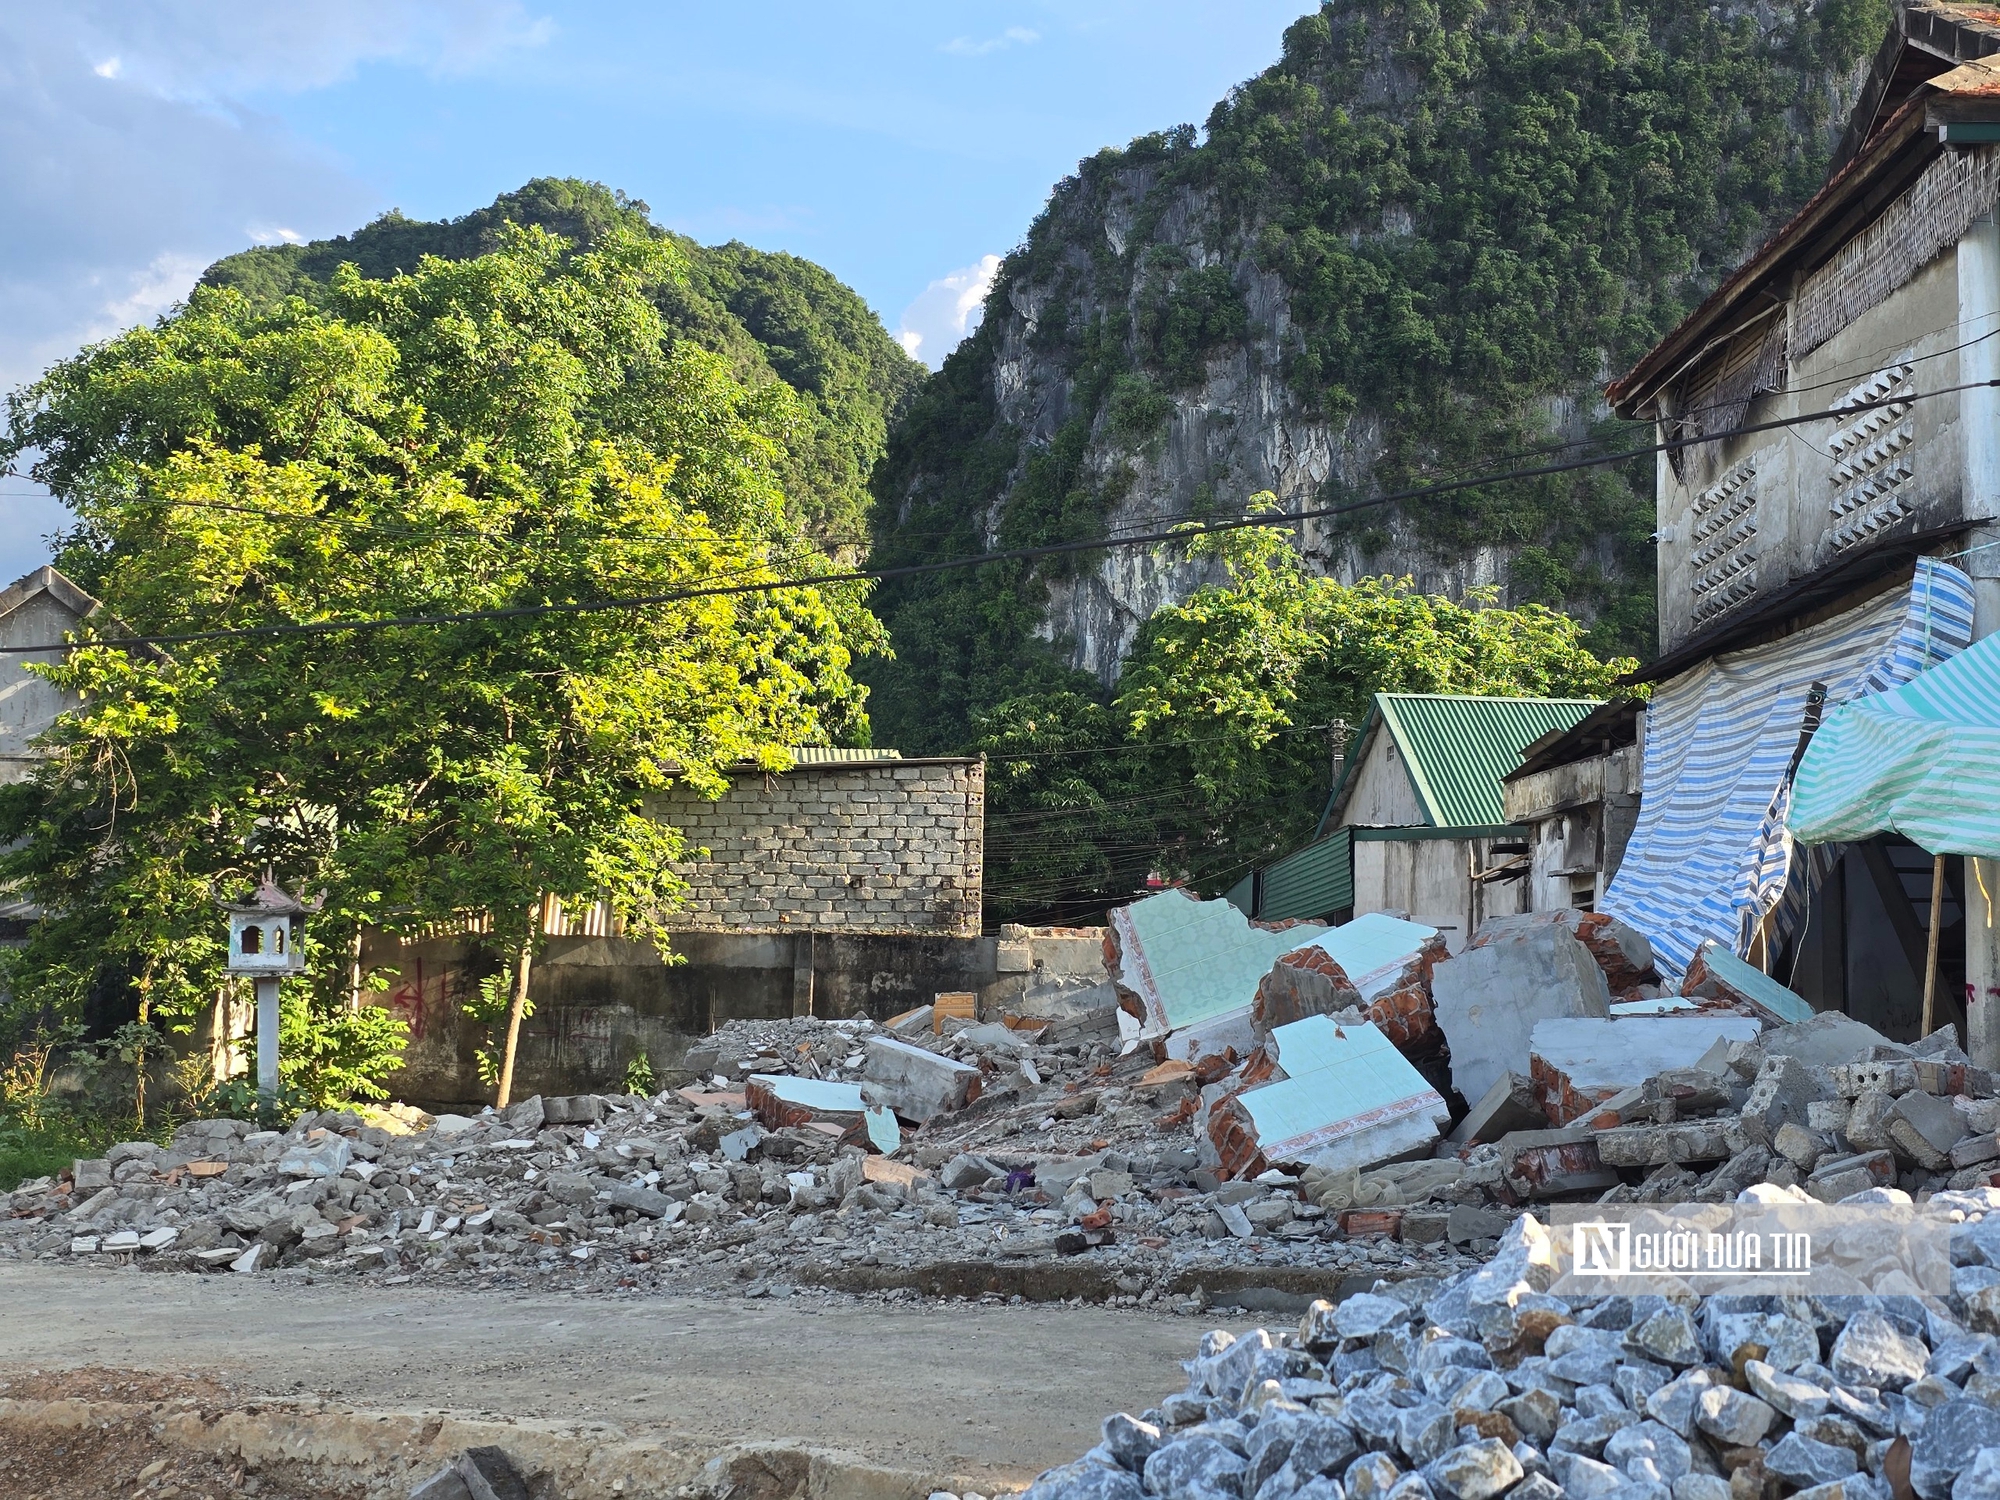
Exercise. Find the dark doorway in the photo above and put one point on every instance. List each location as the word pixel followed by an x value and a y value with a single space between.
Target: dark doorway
pixel 1862 947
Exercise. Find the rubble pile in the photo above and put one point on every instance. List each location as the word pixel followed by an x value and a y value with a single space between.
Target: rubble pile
pixel 1053 1148
pixel 1318 1110
pixel 1485 1384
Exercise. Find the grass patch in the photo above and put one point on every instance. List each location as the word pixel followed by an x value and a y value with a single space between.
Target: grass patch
pixel 42 1151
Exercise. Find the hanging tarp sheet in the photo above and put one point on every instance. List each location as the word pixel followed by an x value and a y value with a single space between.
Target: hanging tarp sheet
pixel 1710 854
pixel 1922 760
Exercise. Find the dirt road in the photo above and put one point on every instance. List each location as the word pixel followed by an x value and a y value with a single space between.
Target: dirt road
pixel 989 1391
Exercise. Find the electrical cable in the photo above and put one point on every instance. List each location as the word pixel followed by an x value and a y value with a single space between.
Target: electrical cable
pixel 1178 534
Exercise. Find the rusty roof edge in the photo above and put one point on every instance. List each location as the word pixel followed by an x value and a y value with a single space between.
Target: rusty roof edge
pixel 1667 357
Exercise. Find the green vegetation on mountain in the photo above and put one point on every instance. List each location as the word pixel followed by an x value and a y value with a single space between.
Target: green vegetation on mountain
pixel 1471 214
pixel 1475 211
pixel 779 321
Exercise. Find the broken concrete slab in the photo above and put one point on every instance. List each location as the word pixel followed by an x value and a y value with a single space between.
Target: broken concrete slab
pixel 1657 1145
pixel 1377 963
pixel 575 1109
pixel 1718 974
pixel 1348 1099
pixel 1833 1180
pixel 917 1084
pixel 781 1100
pixel 1511 976
pixel 1550 1163
pixel 1925 1128
pixel 1826 1040
pixel 1187 962
pixel 1511 1104
pixel 1576 1062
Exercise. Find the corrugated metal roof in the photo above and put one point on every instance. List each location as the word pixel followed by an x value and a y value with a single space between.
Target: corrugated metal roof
pixel 1316 881
pixel 824 755
pixel 1457 749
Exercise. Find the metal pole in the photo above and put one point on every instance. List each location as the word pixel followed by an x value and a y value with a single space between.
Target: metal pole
pixel 267 1039
pixel 1937 921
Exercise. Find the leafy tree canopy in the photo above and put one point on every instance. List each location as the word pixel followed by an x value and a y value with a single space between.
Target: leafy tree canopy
pixel 514 429
pixel 1225 728
pixel 776 319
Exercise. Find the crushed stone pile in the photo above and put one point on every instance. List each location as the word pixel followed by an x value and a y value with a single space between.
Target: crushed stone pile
pixel 1484 1384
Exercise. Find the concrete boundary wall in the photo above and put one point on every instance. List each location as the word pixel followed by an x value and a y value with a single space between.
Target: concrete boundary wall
pixel 599 1002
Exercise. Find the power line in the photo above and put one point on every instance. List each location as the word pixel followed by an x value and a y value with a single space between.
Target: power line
pixel 984 559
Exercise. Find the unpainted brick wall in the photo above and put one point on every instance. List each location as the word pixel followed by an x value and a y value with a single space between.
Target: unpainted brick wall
pixel 878 847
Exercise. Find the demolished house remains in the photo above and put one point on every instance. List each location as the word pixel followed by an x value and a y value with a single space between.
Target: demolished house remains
pixel 1415 822
pixel 1807 566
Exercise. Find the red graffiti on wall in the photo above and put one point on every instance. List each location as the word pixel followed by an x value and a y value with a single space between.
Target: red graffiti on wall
pixel 418 996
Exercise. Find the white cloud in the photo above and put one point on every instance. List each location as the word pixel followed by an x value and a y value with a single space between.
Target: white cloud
pixel 946 311
pixel 1013 36
pixel 129 159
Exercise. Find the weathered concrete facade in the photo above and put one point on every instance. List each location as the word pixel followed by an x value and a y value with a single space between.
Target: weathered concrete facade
pixel 600 1002
pixel 38 610
pixel 1577 794
pixel 876 846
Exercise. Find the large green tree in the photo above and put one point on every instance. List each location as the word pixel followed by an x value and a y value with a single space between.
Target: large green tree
pixel 504 432
pixel 779 321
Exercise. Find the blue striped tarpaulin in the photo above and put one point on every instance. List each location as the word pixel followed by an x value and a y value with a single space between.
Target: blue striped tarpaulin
pixel 1922 760
pixel 1710 855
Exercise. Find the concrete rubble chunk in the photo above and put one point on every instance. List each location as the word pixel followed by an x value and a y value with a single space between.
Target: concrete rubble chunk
pixel 323 1154
pixel 917 1084
pixel 1193 966
pixel 1510 976
pixel 1510 1104
pixel 1718 974
pixel 574 1109
pixel 1349 1099
pixel 1658 1145
pixel 1378 964
pixel 1925 1128
pixel 1578 1062
pixel 1826 1040
pixel 526 1117
pixel 1783 1088
pixel 91 1175
pixel 1841 1178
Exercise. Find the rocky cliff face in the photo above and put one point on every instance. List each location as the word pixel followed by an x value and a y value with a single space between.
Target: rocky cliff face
pixel 1413 249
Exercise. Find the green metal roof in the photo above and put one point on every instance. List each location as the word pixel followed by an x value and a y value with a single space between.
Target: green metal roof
pixel 1457 749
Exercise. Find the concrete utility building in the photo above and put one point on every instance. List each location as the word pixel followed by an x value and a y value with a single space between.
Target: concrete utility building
pixel 1576 792
pixel 1842 552
pixel 1416 823
pixel 35 611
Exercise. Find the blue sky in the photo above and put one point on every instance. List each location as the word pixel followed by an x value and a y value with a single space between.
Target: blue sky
pixel 904 146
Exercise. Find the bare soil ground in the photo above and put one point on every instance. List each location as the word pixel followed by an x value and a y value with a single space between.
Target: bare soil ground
pixel 986 1390
pixel 128 1458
